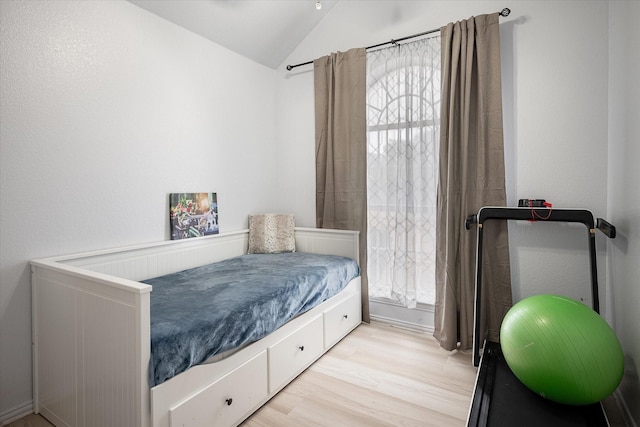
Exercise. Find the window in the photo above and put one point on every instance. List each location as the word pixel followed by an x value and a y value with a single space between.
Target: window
pixel 403 104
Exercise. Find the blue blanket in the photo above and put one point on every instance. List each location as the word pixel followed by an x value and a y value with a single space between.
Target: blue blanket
pixel 204 311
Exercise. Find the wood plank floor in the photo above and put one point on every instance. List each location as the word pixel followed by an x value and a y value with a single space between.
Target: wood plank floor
pixel 376 376
pixel 31 421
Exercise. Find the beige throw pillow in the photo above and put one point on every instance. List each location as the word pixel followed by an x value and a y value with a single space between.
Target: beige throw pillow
pixel 271 233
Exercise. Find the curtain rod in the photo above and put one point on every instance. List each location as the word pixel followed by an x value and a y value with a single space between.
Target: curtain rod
pixel 504 12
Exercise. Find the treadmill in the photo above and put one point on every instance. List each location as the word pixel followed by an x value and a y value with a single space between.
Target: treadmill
pixel 499 398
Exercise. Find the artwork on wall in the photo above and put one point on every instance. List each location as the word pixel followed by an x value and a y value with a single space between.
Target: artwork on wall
pixel 193 215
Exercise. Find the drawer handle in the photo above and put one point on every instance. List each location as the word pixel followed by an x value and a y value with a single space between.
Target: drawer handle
pixel 229 401
pixel 301 348
pixel 346 316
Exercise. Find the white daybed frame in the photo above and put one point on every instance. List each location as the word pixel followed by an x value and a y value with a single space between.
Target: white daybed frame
pixel 91 337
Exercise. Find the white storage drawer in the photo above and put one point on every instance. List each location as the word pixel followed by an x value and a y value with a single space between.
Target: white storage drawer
pixel 341 319
pixel 227 400
pixel 294 353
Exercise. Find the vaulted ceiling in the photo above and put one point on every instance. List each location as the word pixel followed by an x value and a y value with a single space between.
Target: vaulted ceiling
pixel 266 31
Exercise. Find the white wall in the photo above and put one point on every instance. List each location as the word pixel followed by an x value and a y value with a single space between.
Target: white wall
pixel 105 109
pixel 624 196
pixel 559 135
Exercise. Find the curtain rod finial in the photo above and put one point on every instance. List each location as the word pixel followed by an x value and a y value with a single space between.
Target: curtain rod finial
pixel 505 12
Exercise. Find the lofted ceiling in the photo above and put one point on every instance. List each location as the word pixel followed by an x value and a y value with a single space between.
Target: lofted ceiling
pixel 266 31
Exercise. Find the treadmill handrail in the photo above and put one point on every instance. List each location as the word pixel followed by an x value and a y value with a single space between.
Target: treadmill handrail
pixel 604 226
pixel 525 213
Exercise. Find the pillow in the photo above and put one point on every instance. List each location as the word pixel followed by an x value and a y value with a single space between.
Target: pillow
pixel 271 233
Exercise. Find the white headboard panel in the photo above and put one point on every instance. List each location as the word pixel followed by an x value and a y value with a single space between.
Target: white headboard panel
pixel 327 241
pixel 156 259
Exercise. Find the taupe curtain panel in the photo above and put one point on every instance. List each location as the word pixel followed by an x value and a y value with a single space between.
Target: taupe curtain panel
pixel 341 144
pixel 471 176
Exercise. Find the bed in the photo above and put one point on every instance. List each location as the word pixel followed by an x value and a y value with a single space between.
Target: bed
pixel 92 336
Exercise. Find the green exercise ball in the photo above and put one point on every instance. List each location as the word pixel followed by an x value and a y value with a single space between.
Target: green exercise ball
pixel 561 349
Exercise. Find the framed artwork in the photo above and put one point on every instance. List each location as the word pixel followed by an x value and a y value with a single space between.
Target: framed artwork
pixel 193 215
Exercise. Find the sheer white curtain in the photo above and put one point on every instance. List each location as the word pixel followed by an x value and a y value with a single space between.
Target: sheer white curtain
pixel 403 105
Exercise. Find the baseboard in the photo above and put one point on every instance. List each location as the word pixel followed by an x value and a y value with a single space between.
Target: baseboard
pixel 16 414
pixel 414 327
pixel 624 409
pixel 419 319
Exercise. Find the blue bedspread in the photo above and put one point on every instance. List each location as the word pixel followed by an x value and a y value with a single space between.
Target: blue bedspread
pixel 204 311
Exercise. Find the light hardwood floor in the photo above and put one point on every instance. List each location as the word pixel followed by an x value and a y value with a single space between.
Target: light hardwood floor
pixel 376 376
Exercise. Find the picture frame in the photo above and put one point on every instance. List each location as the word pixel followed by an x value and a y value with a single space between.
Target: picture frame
pixel 193 215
